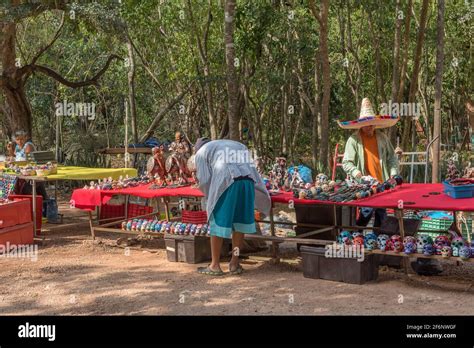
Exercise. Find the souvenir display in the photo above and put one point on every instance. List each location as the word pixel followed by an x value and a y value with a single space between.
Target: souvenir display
pixel 452 171
pixel 464 252
pixel 469 173
pixel 428 250
pixel 409 247
pixel 121 183
pixel 156 164
pixel 345 237
pixel 358 240
pixel 446 251
pixel 382 241
pixel 421 242
pixel 32 169
pixel 440 242
pixel 456 244
pixel 176 163
pixel 371 244
pixel 409 239
pixel 7 185
pixel 349 190
pixel 278 175
pixel 162 226
pixel 370 241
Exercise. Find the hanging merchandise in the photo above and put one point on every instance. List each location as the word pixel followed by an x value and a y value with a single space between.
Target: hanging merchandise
pixel 7 185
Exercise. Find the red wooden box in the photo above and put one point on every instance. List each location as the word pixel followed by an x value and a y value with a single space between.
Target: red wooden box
pixel 39 209
pixel 18 234
pixel 15 213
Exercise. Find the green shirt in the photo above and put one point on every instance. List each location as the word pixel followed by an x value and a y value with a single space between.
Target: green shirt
pixel 353 161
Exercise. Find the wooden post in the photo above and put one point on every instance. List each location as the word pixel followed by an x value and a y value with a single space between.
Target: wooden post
pixel 91 226
pixel 275 257
pixel 399 215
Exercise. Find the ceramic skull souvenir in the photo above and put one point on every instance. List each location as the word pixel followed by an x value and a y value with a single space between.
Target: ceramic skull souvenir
pixel 409 239
pixel 356 233
pixel 446 251
pixel 421 242
pixel 370 235
pixel 456 245
pixel 428 250
pixel 464 253
pixel 440 242
pixel 371 244
pixel 359 240
pixel 382 241
pixel 393 239
pixel 397 246
pixel 410 247
pixel 321 178
pixel 345 237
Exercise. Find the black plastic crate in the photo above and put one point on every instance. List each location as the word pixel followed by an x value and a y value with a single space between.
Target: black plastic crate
pixel 191 249
pixel 347 270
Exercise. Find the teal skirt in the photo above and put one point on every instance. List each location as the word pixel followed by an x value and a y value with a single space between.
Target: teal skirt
pixel 234 211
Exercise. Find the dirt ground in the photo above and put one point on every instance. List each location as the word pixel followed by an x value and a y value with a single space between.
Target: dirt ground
pixel 75 275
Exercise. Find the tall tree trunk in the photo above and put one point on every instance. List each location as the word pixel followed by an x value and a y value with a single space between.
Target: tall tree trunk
pixel 232 80
pixel 408 126
pixel 406 46
pixel 202 48
pixel 326 72
pixel 131 91
pixel 18 114
pixel 438 89
pixel 396 66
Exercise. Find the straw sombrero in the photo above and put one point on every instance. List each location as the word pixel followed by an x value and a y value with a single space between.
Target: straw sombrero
pixel 368 117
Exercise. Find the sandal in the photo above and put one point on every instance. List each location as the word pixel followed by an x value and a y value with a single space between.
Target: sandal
pixel 208 271
pixel 236 271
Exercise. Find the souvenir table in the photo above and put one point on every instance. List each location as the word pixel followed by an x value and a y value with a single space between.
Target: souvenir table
pixel 401 198
pixel 90 199
pixel 75 173
pixel 407 196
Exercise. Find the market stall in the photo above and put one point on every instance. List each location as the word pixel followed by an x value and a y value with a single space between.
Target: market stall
pixel 67 173
pixel 409 196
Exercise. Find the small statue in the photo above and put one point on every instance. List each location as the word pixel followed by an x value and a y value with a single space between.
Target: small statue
pixel 296 179
pixel 156 164
pixel 279 172
pixel 453 172
pixel 176 163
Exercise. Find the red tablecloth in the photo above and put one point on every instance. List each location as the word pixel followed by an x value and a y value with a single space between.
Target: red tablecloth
pixel 89 199
pixel 413 196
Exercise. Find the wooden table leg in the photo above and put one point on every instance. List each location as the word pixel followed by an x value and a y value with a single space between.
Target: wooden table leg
pixel 91 226
pixel 33 204
pixel 167 208
pixel 275 256
pixel 399 216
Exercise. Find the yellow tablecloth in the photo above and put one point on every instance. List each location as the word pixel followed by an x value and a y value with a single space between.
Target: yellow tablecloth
pixel 84 173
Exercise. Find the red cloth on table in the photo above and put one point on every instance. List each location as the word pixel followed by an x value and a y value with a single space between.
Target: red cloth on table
pixel 407 193
pixel 89 199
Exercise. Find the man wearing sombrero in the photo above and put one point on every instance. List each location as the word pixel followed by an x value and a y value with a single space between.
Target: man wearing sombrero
pixel 368 151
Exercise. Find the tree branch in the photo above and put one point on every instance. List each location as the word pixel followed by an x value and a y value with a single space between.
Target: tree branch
pixel 45 48
pixel 162 113
pixel 314 10
pixel 53 74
